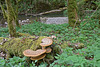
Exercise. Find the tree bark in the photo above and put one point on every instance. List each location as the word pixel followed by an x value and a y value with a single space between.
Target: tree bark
pixel 72 13
pixel 10 19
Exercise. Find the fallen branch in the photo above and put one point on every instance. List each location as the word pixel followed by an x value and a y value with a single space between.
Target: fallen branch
pixel 47 12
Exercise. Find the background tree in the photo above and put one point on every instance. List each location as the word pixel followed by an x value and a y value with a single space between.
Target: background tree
pixel 72 13
pixel 10 19
pixel 11 15
pixel 14 3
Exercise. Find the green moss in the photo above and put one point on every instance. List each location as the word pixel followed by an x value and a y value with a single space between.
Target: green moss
pixel 23 34
pixel 37 43
pixel 64 45
pixel 16 46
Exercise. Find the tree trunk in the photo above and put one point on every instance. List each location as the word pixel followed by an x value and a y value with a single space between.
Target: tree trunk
pixel 10 19
pixel 72 13
pixel 3 11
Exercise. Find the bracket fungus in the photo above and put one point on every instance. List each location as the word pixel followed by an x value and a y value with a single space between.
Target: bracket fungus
pixel 46 42
pixel 40 53
pixel 48 50
pixel 31 53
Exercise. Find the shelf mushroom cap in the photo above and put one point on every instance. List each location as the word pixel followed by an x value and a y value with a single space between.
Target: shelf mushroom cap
pixel 48 50
pixel 46 42
pixel 31 53
pixel 39 57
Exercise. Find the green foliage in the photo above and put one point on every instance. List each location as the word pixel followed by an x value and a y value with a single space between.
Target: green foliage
pixel 69 58
pixel 18 62
pixel 89 31
pixel 4 32
pixel 13 62
pixel 87 34
pixel 42 29
pixel 43 65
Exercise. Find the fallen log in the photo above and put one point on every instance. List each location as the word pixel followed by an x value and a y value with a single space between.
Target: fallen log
pixel 16 46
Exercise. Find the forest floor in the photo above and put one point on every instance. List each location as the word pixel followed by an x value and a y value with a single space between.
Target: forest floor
pixel 67 37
